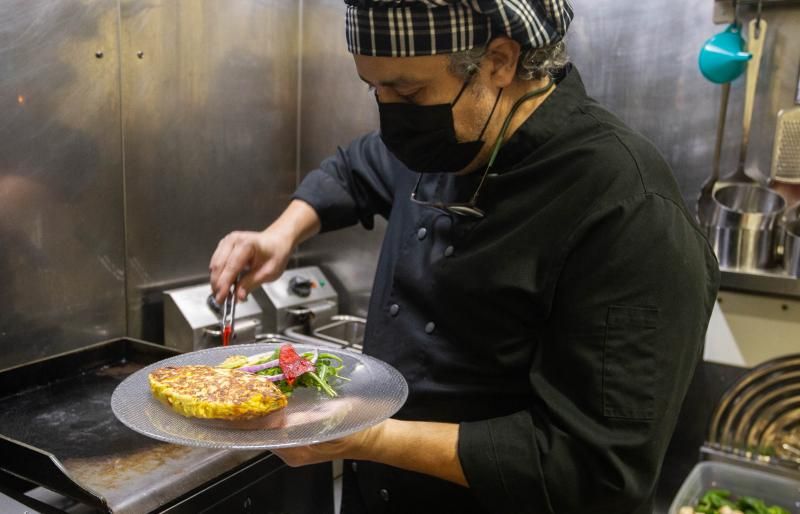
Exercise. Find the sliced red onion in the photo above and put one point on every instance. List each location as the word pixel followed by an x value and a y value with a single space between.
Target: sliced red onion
pixel 274 378
pixel 259 367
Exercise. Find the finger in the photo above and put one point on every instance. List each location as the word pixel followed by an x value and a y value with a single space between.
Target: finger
pixel 266 273
pixel 295 457
pixel 246 284
pixel 238 259
pixel 219 257
pixel 285 455
pixel 254 279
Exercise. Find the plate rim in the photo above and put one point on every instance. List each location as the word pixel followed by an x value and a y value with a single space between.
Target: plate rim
pixel 160 436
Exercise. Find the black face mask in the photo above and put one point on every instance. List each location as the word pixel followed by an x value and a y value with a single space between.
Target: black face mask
pixel 423 137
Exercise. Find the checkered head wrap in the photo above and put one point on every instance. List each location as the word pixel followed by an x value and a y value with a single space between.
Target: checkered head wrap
pixel 406 28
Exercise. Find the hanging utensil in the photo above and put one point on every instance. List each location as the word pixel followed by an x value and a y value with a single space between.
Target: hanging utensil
pixel 722 58
pixel 705 203
pixel 756 34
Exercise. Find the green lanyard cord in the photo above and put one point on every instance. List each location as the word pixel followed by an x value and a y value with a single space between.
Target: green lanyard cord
pixel 499 141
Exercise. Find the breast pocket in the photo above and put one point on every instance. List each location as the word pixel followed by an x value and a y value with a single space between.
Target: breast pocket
pixel 629 363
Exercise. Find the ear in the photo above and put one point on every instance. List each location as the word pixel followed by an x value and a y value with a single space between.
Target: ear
pixel 502 55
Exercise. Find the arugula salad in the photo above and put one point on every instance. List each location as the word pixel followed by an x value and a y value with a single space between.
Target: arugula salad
pixel 288 369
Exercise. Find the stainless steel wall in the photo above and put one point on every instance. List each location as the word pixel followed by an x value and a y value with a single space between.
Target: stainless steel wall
pixel 203 97
pixel 209 93
pixel 335 108
pixel 637 58
pixel 61 239
pixel 640 60
pixel 171 122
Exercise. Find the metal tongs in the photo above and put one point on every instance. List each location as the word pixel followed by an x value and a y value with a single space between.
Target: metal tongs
pixel 229 314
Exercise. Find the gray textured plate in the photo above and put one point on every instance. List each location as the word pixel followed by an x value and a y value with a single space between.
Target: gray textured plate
pixel 375 392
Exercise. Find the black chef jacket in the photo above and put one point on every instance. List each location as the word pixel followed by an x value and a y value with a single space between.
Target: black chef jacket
pixel 560 331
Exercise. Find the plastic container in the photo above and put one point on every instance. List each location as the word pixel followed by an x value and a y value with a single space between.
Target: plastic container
pixel 740 481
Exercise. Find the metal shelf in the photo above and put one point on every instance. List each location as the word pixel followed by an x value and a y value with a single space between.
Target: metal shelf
pixel 761 282
pixel 723 9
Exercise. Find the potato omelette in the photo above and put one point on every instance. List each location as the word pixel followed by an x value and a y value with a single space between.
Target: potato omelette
pixel 215 393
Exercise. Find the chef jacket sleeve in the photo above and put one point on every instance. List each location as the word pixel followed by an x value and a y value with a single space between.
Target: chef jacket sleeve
pixel 633 293
pixel 353 185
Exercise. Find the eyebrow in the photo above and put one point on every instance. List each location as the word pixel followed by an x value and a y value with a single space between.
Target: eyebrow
pixel 400 81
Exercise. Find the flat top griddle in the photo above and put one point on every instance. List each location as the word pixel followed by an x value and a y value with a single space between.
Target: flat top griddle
pixel 69 417
pixel 58 430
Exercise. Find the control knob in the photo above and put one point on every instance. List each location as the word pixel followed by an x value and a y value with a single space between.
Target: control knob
pixel 300 286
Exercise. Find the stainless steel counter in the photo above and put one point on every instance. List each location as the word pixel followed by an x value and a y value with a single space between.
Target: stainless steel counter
pixel 59 432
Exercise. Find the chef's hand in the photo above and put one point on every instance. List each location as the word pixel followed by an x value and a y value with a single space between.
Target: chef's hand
pixel 421 446
pixel 265 254
pixel 355 446
pixel 262 256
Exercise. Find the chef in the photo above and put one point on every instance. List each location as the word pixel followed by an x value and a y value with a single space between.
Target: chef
pixel 541 285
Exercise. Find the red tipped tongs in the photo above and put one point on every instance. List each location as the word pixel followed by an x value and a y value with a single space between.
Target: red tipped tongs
pixel 229 314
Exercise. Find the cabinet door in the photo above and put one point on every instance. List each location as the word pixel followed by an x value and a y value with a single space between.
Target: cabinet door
pixel 287 491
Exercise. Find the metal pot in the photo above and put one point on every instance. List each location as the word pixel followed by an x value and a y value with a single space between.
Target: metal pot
pixel 789 190
pixel 791 241
pixel 743 226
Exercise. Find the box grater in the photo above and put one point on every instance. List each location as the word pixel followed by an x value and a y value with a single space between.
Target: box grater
pixel 786 147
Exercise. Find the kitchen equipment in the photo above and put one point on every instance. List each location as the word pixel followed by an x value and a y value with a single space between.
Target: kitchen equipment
pixel 742 228
pixel 722 58
pixel 756 34
pixel 705 203
pixel 791 240
pixel 304 305
pixel 758 418
pixel 343 330
pixel 740 481
pixel 374 392
pixel 58 432
pixel 300 296
pixel 785 172
pixel 192 320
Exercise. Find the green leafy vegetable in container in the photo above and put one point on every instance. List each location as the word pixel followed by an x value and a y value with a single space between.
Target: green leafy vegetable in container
pixel 720 501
